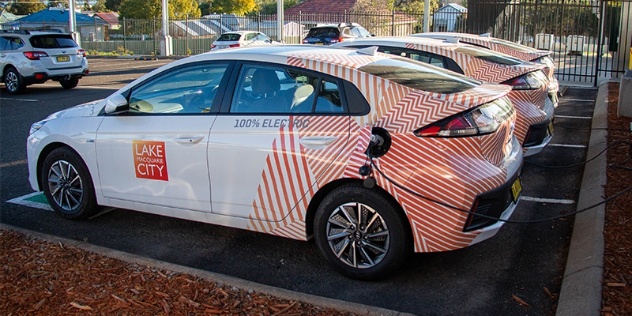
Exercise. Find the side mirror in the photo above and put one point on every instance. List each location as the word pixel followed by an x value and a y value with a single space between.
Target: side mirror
pixel 116 104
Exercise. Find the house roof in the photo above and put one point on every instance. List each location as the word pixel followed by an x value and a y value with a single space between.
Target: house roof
pixel 54 15
pixel 453 6
pixel 111 18
pixel 322 6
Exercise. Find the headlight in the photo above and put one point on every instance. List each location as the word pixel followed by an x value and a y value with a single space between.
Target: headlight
pixel 36 126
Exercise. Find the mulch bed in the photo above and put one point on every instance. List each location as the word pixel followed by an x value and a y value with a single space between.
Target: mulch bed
pixel 43 278
pixel 617 276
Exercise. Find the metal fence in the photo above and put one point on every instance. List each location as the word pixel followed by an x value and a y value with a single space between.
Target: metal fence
pixel 590 40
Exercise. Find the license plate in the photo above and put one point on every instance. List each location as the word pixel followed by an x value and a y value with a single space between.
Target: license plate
pixel 550 128
pixel 516 189
pixel 319 43
pixel 64 58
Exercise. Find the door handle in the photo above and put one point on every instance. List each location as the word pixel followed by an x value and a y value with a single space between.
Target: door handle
pixel 188 140
pixel 317 142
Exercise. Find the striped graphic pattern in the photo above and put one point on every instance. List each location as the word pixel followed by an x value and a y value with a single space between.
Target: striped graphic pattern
pixel 453 170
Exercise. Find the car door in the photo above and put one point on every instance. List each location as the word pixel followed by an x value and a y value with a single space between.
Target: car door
pixel 275 141
pixel 156 153
pixel 8 49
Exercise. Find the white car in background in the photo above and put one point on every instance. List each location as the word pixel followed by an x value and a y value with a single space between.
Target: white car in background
pixel 240 39
pixel 30 57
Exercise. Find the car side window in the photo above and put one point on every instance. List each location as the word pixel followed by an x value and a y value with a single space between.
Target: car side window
pixel 424 57
pixel 191 89
pixel 284 90
pixel 250 36
pixel 10 43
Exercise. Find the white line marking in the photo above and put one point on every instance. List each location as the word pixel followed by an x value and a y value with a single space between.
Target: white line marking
pixel 574 117
pixel 13 163
pixel 22 200
pixel 577 100
pixel 24 100
pixel 567 145
pixel 543 200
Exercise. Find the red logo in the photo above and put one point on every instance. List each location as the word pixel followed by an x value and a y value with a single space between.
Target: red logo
pixel 150 160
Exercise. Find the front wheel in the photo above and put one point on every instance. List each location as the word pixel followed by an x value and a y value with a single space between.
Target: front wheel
pixel 67 184
pixel 361 232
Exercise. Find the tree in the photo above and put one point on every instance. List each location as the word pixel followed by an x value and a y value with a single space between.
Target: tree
pixel 24 8
pixel 113 5
pixel 205 7
pixel 239 7
pixel 57 4
pixel 150 9
pixel 389 5
pixel 270 6
pixel 99 6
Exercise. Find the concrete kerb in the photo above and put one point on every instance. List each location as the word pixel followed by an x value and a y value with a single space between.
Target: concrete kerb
pixel 582 283
pixel 339 305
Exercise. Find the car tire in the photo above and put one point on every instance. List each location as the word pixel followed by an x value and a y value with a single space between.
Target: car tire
pixel 68 185
pixel 13 81
pixel 353 249
pixel 69 83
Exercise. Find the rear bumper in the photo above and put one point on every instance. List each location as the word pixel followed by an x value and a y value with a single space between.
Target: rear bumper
pixel 539 135
pixel 41 77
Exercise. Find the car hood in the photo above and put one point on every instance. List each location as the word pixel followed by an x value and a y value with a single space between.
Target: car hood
pixel 92 108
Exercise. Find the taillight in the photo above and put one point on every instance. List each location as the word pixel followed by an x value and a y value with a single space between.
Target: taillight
pixel 481 120
pixel 530 81
pixel 234 45
pixel 35 55
pixel 305 41
pixel 81 52
pixel 213 46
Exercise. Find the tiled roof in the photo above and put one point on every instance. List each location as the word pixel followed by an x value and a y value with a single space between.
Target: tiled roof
pixel 322 6
pixel 111 17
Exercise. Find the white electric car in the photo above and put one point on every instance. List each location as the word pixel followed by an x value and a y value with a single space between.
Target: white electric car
pixel 375 156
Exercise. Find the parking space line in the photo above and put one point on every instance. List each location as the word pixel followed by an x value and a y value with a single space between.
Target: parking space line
pixel 543 200
pixel 574 117
pixel 35 200
pixel 577 100
pixel 23 100
pixel 567 145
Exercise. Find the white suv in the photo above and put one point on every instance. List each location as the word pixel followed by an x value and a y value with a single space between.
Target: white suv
pixel 28 57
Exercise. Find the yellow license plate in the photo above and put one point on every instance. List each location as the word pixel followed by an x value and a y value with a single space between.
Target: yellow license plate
pixel 62 59
pixel 319 43
pixel 516 189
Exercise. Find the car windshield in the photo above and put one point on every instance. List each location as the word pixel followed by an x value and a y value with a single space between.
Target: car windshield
pixel 229 37
pixel 53 41
pixel 489 55
pixel 421 76
pixel 323 32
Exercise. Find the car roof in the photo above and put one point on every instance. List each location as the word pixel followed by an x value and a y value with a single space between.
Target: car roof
pixel 451 50
pixel 497 44
pixel 239 32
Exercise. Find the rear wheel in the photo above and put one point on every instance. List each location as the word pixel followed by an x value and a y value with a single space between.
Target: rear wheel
pixel 69 83
pixel 68 185
pixel 361 232
pixel 13 81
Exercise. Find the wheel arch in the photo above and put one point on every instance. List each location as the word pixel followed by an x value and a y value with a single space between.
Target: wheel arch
pixel 45 152
pixel 322 193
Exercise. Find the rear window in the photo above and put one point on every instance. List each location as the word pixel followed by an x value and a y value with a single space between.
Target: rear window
pixel 489 55
pixel 53 41
pixel 324 32
pixel 229 37
pixel 420 76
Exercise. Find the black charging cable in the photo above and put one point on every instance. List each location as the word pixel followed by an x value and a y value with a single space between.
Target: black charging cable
pixel 367 170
